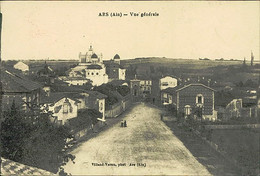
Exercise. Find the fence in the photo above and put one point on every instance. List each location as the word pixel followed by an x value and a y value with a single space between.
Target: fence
pixel 252 126
pixel 116 109
pixel 248 112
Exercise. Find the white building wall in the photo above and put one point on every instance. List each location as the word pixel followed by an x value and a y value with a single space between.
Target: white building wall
pixel 101 107
pixel 21 66
pixel 167 82
pixel 97 76
pixel 60 114
pixel 121 74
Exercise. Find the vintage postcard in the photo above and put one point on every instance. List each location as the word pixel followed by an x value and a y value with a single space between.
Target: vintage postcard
pixel 130 88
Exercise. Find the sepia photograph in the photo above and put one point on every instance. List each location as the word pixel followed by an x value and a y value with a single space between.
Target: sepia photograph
pixel 130 88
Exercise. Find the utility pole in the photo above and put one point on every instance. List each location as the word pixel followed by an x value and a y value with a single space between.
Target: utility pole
pixel 1 115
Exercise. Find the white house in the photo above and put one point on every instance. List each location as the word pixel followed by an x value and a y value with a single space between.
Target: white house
pixel 62 107
pixel 167 82
pixel 21 66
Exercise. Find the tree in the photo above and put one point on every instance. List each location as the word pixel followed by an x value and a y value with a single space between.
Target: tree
pixel 31 138
pixel 13 132
pixel 250 83
pixel 123 90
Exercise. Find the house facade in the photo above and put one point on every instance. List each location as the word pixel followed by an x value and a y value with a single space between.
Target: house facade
pixel 167 96
pixel 64 109
pixel 196 100
pixel 141 88
pixel 167 82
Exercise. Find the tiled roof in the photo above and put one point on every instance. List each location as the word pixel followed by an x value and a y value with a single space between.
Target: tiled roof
pixel 65 88
pixel 181 87
pixel 16 83
pixel 195 84
pixel 54 97
pixel 171 89
pixel 118 82
pixel 94 66
pixel 9 167
pixel 96 94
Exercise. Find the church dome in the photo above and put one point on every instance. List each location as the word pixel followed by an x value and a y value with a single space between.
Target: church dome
pixel 94 56
pixel 116 56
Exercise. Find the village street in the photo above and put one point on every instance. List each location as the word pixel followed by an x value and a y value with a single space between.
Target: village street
pixel 146 140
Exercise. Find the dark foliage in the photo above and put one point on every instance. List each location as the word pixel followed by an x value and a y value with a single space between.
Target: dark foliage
pixel 61 71
pixel 223 98
pixel 106 89
pixel 31 138
pixel 123 90
pixel 85 119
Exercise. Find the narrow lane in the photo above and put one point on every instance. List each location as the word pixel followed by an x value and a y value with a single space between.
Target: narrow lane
pixel 146 140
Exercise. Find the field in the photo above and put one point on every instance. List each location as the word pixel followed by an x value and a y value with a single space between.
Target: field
pixel 181 63
pixel 242 146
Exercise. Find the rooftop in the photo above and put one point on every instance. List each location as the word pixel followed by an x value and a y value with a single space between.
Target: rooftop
pixel 94 66
pixel 9 167
pixel 54 97
pixel 17 83
pixel 97 94
pixel 181 87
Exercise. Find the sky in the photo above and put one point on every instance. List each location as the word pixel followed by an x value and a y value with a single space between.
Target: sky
pixel 190 30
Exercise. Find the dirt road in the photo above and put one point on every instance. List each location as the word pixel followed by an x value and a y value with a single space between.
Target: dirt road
pixel 146 146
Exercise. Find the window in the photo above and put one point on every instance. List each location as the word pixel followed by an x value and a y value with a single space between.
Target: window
pixel 92 73
pixel 187 110
pixel 96 73
pixel 199 99
pixel 101 106
pixel 164 84
pixel 65 108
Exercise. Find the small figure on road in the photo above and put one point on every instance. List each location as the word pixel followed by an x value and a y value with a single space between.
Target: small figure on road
pixel 125 124
pixel 161 117
pixel 122 123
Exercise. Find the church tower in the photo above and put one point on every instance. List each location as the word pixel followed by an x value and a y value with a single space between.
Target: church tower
pixel 89 54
